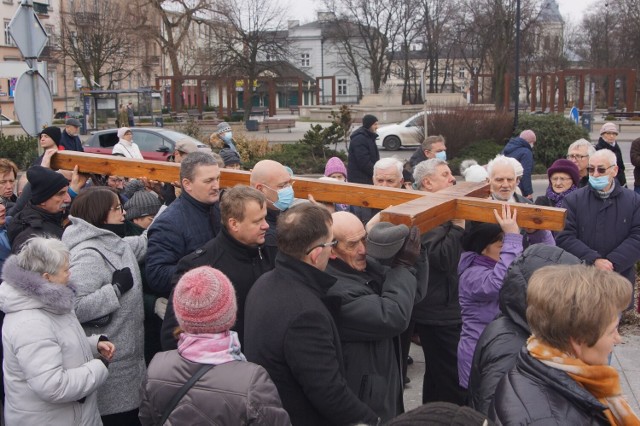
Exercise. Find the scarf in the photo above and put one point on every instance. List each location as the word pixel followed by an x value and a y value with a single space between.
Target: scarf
pixel 556 198
pixel 118 229
pixel 601 381
pixel 210 348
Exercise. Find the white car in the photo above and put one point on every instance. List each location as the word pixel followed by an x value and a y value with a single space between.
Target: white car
pixel 408 133
pixel 4 120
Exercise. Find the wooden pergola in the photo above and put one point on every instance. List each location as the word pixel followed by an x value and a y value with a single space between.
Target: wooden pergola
pixel 465 201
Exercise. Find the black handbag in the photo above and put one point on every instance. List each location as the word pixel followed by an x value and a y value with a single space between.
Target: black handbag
pixel 104 320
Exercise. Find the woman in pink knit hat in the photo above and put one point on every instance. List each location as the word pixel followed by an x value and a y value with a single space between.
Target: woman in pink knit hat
pixel 229 389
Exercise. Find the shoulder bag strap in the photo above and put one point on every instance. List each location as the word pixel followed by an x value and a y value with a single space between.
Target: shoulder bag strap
pixel 183 391
pixel 103 256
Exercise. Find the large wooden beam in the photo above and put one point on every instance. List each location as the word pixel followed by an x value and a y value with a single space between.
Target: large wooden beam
pixel 425 210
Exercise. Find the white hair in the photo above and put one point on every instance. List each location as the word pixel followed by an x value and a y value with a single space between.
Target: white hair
pixel 386 163
pixel 583 142
pixel 607 155
pixel 41 254
pixel 426 168
pixel 502 160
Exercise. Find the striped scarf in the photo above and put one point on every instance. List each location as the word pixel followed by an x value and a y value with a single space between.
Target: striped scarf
pixel 601 381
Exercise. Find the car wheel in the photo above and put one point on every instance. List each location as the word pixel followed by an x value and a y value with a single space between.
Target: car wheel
pixel 391 143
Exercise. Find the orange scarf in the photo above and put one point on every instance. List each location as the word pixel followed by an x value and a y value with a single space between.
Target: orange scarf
pixel 601 381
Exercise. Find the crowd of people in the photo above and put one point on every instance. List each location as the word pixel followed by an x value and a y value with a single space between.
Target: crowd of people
pixel 127 301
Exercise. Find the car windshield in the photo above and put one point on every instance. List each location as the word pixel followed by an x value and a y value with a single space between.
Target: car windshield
pixel 416 120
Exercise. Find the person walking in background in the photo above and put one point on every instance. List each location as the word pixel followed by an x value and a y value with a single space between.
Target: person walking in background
pixel 130 115
pixel 232 390
pixel 69 138
pixel 51 373
pixel 521 149
pixel 123 117
pixel 125 146
pixel 608 136
pixel 363 152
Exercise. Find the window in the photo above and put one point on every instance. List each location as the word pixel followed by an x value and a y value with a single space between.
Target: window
pixel 53 82
pixel 50 29
pixel 461 72
pixel 8 41
pixel 342 86
pixel 304 60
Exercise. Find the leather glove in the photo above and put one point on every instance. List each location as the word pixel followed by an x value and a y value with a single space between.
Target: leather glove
pixel 123 280
pixel 410 250
pixel 160 307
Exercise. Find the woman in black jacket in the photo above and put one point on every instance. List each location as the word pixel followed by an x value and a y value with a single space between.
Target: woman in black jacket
pixel 563 375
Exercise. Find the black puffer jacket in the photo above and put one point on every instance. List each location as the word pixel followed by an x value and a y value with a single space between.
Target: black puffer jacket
pixel 533 393
pixel 501 341
pixel 33 221
pixel 363 154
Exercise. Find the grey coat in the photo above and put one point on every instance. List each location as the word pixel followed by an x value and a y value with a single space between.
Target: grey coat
pixel 97 297
pixel 50 374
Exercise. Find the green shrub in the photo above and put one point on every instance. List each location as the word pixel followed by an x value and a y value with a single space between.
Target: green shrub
pixel 22 150
pixel 554 134
pixel 610 118
pixel 301 159
pixel 481 151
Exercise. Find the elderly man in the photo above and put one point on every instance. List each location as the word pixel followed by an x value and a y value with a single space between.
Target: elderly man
pixel 432 147
pixel 608 136
pixel 237 251
pixel 386 172
pixel 290 330
pixel 375 306
pixel 521 148
pixel 188 223
pixel 502 184
pixel 274 181
pixel 363 152
pixel 70 139
pixel 579 153
pixel 437 317
pixel 603 220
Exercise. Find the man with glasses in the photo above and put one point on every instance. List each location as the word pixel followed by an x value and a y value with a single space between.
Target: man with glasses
pixel 608 135
pixel 274 181
pixel 375 305
pixel 579 153
pixel 432 147
pixel 603 220
pixel 290 329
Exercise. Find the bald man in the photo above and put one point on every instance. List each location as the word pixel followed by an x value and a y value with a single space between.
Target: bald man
pixel 376 303
pixel 274 181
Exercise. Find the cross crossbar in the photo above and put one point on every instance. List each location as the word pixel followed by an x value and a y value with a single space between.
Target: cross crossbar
pixel 425 210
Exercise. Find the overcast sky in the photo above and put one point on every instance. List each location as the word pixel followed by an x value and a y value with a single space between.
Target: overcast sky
pixel 305 10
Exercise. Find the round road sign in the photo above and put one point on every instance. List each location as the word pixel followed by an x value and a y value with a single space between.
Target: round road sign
pixel 33 103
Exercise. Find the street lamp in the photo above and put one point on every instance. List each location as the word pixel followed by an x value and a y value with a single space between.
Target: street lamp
pixel 517 70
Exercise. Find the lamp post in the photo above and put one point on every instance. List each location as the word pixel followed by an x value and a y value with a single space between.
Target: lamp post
pixel 517 68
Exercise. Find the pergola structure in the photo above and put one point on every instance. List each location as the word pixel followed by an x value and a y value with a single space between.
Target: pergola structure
pixel 467 201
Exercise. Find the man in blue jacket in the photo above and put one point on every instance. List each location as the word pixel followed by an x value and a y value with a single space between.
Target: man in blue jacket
pixel 603 220
pixel 521 148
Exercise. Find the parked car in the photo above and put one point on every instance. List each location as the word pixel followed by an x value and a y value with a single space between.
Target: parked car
pixel 64 115
pixel 408 133
pixel 4 120
pixel 154 143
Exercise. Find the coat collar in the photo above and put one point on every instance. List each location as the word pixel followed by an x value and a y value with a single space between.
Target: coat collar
pixel 241 250
pixel 316 280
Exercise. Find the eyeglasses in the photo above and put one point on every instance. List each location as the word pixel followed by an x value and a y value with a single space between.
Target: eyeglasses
pixel 118 207
pixel 329 244
pixel 281 186
pixel 560 179
pixel 601 170
pixel 576 157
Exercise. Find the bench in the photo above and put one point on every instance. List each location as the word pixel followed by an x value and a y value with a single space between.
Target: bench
pixel 194 114
pixel 294 109
pixel 259 112
pixel 278 123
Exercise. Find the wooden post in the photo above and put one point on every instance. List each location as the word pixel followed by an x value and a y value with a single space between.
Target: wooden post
pixel 425 210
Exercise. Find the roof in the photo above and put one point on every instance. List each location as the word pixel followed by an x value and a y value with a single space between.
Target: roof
pixel 550 12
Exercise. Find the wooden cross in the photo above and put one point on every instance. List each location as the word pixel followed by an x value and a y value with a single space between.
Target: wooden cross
pixel 465 200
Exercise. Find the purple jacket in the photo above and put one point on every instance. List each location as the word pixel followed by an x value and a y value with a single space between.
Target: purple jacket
pixel 480 282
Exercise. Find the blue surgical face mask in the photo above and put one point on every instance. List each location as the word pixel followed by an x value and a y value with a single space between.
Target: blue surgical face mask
pixel 442 155
pixel 285 198
pixel 227 137
pixel 599 183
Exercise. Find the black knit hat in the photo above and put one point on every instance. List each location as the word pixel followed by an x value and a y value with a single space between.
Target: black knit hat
pixel 141 204
pixel 479 235
pixel 53 132
pixel 368 121
pixel 441 414
pixel 45 183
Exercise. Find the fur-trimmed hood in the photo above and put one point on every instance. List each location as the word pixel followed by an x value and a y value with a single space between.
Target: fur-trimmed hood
pixel 22 289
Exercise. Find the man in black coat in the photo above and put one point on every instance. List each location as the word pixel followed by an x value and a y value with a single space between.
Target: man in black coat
pixel 69 138
pixel 375 305
pixel 237 251
pixel 290 330
pixel 363 152
pixel 607 140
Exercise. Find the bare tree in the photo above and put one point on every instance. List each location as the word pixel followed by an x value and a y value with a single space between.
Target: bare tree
pixel 96 36
pixel 250 38
pixel 437 19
